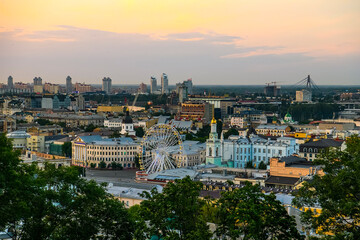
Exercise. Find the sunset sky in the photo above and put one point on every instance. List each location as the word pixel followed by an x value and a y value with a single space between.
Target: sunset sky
pixel 212 41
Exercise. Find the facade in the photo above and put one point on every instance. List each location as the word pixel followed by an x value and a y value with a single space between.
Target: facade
pixel 69 86
pixel 256 150
pixel 189 85
pixel 47 102
pixel 196 110
pixel 82 87
pixel 106 85
pixel 92 150
pixel 51 88
pixel 153 85
pixel 142 88
pixel 36 143
pixel 19 139
pixel 303 96
pixel 113 123
pixel 38 87
pixel 193 153
pixel 10 84
pixel 272 130
pixel 164 83
pixel 292 166
pixel 247 118
pixel 74 120
pixel 312 149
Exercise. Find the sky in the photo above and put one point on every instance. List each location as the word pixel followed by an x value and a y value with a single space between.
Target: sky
pixel 224 42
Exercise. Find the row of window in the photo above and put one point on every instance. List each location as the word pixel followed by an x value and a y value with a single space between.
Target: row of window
pixel 113 148
pixel 112 153
pixel 99 159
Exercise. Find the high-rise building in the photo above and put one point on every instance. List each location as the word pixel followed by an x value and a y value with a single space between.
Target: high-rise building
pixel 82 87
pixel 153 85
pixel 164 83
pixel 106 85
pixel 51 88
pixel 188 83
pixel 38 87
pixel 10 82
pixel 69 86
pixel 303 96
pixel 142 88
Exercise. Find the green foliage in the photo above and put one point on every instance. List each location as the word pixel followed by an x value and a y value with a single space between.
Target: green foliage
pixel 251 214
pixel 62 124
pixel 137 161
pixel 90 128
pixel 231 131
pixel 55 203
pixel 115 134
pixel 189 136
pixel 249 164
pixel 175 213
pixel 93 165
pixel 67 149
pixel 262 165
pixel 337 192
pixel 102 164
pixel 139 132
pixel 43 122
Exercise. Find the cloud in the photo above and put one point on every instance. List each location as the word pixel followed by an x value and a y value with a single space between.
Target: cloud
pixel 210 58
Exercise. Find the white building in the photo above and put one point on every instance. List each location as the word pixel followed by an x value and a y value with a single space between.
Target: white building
pixel 113 123
pixel 256 149
pixel 192 153
pixel 19 139
pixel 153 85
pixel 127 125
pixel 164 83
pixel 106 85
pixel 303 96
pixel 92 150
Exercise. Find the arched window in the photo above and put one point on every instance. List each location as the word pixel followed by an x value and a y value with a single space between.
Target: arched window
pixel 315 150
pixel 210 151
pixel 217 152
pixel 310 149
pixel 305 149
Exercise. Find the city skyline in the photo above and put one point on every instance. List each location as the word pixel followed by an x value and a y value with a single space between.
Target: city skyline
pixel 235 43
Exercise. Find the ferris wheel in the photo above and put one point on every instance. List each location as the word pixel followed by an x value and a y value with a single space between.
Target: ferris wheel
pixel 156 147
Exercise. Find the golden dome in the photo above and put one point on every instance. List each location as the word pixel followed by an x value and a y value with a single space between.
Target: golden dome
pixel 213 121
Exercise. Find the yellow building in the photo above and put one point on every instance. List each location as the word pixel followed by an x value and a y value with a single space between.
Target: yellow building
pixel 36 143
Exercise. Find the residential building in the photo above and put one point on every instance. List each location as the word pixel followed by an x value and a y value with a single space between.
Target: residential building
pixel 106 85
pixel 82 87
pixel 51 88
pixel 189 86
pixel 10 84
pixel 19 139
pixel 272 130
pixel 246 118
pixel 153 85
pixel 113 123
pixel 196 110
pixel 36 143
pixel 92 150
pixel 38 87
pixel 69 86
pixel 303 95
pixel 74 120
pixel 142 88
pixel 312 149
pixel 164 83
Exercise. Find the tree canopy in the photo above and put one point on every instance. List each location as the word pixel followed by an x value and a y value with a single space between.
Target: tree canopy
pixel 337 192
pixel 248 213
pixel 55 203
pixel 175 213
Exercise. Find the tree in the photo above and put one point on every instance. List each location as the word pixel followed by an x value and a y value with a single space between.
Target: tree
pixel 139 132
pixel 43 122
pixel 102 164
pixel 55 203
pixel 176 212
pixel 90 128
pixel 115 134
pixel 93 165
pixel 114 165
pixel 67 149
pixel 231 131
pixel 337 192
pixel 250 214
pixel 249 164
pixel 262 165
pixel 137 161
